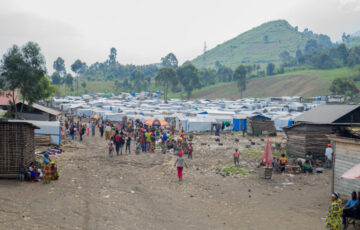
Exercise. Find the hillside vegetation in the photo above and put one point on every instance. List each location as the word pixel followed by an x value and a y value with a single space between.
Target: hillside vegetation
pixel 262 44
pixel 300 83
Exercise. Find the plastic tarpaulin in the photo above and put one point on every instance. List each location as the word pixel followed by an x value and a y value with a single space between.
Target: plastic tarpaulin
pixel 243 125
pixel 236 124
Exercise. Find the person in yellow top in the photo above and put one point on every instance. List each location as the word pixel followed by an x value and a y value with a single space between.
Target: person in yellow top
pixel 333 219
pixel 283 161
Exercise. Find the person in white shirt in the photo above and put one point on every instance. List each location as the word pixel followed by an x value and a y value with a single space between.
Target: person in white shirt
pixel 328 154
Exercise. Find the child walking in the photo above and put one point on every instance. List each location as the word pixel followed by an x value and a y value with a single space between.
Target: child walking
pixel 111 150
pixel 180 162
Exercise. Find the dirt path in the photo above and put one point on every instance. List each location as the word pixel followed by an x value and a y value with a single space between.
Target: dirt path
pixel 142 192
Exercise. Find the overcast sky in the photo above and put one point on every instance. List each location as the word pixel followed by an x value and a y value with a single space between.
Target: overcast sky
pixel 143 31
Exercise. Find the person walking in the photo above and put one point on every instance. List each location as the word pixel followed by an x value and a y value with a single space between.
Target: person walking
pixel 328 154
pixel 236 158
pixel 101 128
pixel 128 143
pixel 72 132
pixel 87 129
pixel 190 151
pixel 93 126
pixel 117 142
pixel 333 219
pixel 180 163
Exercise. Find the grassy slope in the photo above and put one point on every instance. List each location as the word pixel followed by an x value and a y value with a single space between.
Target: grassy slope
pixel 249 47
pixel 299 83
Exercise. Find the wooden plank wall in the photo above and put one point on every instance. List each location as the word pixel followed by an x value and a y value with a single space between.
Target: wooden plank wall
pixel 346 156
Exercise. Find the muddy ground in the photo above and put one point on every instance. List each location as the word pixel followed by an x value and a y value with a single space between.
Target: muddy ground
pixel 142 192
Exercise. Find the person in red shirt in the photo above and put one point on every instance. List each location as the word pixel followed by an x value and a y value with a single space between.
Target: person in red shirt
pixel 236 157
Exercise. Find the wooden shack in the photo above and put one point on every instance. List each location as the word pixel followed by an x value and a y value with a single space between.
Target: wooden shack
pixel 309 139
pixel 309 133
pixel 17 148
pixel 260 125
pixel 346 155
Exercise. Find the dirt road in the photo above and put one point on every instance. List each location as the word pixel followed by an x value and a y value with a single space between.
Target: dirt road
pixel 142 192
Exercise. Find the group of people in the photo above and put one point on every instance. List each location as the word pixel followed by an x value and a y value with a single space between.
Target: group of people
pixel 34 173
pixel 338 213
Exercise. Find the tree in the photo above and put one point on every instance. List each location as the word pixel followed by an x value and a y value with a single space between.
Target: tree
pixel 59 66
pixel 56 78
pixel 78 67
pixel 188 76
pixel 270 69
pixel 166 77
pixel 112 56
pixel 240 78
pixel 311 46
pixel 345 38
pixel 137 77
pixel 342 52
pixel 170 60
pixel 266 39
pixel 344 87
pixel 224 73
pixel 207 76
pixel 24 69
pixel 68 80
pixel 83 84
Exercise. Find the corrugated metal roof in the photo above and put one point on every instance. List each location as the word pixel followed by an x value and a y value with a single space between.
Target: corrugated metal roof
pixel 43 108
pixel 326 114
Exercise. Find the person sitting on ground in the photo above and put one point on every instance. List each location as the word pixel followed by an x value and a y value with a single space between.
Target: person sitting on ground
pixel 349 210
pixel 236 157
pixel 333 219
pixel 328 154
pixel 283 161
pixel 31 172
pixel 308 166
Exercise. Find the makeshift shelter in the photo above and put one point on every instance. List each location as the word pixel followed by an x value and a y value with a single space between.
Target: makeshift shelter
pixel 17 147
pixel 346 155
pixel 309 133
pixel 260 125
pixel 37 112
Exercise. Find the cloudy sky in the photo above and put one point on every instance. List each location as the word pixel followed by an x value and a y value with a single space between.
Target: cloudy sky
pixel 143 31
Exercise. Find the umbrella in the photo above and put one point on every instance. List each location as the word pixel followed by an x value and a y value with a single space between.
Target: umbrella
pixel 96 117
pixel 267 157
pixel 156 122
pixel 352 173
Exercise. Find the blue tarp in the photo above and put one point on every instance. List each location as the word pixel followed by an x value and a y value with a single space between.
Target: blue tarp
pixel 158 92
pixel 204 112
pixel 141 114
pixel 261 117
pixel 110 108
pixel 290 122
pixel 236 124
pixel 132 94
pixel 243 125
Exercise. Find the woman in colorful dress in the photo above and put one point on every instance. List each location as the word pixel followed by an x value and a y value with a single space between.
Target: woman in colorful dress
pixel 47 168
pixel 333 220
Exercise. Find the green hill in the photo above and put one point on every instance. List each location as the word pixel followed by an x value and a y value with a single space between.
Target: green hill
pixel 300 83
pixel 354 41
pixel 262 44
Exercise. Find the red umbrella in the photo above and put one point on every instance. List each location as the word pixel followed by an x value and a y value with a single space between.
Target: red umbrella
pixel 267 157
pixel 352 173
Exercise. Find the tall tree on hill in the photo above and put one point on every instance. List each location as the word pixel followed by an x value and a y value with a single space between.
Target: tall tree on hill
pixel 240 78
pixel 270 69
pixel 112 56
pixel 56 78
pixel 224 73
pixel 138 78
pixel 59 66
pixel 344 87
pixel 69 80
pixel 24 69
pixel 79 68
pixel 189 78
pixel 266 39
pixel 207 76
pixel 166 77
pixel 170 60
